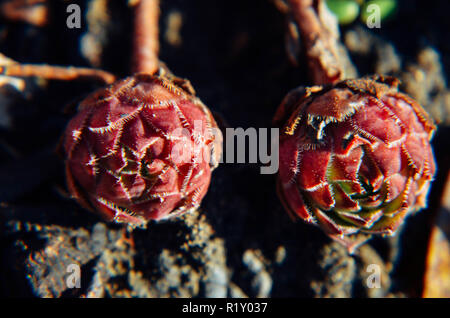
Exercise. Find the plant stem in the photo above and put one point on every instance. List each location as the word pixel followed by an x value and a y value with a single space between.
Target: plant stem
pixel 320 36
pixel 34 12
pixel 56 72
pixel 146 44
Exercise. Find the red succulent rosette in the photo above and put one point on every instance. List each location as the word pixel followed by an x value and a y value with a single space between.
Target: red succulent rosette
pixel 354 156
pixel 141 149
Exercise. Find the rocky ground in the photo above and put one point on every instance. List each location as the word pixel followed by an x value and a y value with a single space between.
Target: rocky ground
pixel 240 243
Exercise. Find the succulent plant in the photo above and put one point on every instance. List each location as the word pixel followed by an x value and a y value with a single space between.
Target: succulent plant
pixel 141 149
pixel 346 11
pixel 354 156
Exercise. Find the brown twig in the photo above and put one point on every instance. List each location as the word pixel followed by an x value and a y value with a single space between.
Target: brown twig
pixel 56 72
pixel 31 11
pixel 146 44
pixel 320 38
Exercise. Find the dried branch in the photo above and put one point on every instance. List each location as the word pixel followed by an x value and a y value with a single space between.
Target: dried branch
pixel 34 12
pixel 146 43
pixel 320 36
pixel 56 72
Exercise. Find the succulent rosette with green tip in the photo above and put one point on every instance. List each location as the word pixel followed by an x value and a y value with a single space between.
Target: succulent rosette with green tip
pixel 354 156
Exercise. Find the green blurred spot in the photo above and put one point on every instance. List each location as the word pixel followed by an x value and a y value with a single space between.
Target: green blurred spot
pixel 386 8
pixel 345 10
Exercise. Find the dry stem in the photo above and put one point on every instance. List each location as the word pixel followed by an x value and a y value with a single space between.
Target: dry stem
pixel 146 43
pixel 320 37
pixel 56 72
pixel 31 11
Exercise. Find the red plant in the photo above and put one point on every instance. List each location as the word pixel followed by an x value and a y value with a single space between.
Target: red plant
pixel 142 148
pixel 135 151
pixel 354 156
